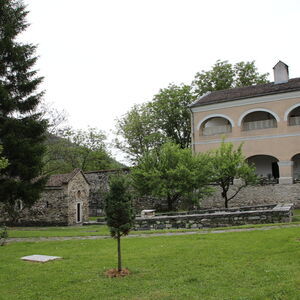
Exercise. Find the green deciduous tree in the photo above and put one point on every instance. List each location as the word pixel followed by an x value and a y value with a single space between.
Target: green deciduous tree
pixel 224 75
pixel 118 209
pixel 22 133
pixel 227 164
pixel 139 132
pixel 171 113
pixel 173 174
pixel 165 118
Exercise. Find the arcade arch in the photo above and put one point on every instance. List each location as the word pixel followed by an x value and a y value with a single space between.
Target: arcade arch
pixel 266 166
pixel 258 119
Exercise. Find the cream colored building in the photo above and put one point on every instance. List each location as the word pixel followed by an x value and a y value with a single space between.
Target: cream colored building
pixel 266 118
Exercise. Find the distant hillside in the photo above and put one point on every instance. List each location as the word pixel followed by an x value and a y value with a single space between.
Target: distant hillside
pixel 63 156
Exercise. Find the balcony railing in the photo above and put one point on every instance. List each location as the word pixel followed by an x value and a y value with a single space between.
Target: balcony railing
pixel 294 121
pixel 216 130
pixel 263 124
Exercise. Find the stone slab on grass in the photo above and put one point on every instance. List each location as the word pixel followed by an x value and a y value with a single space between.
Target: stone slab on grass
pixel 40 258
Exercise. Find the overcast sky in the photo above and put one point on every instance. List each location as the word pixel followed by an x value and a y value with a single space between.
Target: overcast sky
pixel 100 57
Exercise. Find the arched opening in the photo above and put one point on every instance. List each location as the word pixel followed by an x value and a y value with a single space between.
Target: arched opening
pixel 258 120
pixel 266 167
pixel 294 117
pixel 19 205
pixel 296 167
pixel 215 125
pixel 79 212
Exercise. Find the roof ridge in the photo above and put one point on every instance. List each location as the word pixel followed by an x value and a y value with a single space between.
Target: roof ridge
pixel 248 92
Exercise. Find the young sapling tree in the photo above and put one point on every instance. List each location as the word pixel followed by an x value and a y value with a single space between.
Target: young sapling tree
pixel 227 164
pixel 119 211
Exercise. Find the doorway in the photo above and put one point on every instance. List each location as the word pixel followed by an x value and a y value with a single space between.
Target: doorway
pixel 78 213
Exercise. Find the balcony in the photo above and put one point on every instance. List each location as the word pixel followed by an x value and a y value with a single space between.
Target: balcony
pixel 294 121
pixel 214 130
pixel 262 124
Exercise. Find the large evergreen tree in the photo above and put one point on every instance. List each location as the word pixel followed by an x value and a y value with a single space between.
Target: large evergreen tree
pixel 21 130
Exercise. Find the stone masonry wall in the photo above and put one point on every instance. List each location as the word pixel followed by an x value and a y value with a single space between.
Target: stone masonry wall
pixel 257 195
pixel 78 192
pixel 269 214
pixel 50 209
pixel 99 186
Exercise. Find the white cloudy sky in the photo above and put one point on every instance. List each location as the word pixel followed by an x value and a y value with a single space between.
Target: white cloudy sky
pixel 99 57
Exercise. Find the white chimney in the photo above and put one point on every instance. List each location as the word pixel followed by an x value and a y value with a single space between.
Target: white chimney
pixel 281 73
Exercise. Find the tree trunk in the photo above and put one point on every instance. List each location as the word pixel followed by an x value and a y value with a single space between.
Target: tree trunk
pixel 226 203
pixel 119 253
pixel 224 195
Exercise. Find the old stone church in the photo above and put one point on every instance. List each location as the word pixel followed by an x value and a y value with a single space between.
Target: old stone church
pixel 63 202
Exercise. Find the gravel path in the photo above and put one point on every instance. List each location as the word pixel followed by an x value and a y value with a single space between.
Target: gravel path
pixel 100 237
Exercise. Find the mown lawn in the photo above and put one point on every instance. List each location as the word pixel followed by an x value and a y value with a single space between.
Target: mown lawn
pixel 296 217
pixel 244 265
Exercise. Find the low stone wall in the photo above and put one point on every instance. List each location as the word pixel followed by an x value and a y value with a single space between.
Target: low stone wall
pixel 219 218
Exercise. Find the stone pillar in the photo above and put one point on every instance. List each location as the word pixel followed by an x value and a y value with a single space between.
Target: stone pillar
pixel 286 172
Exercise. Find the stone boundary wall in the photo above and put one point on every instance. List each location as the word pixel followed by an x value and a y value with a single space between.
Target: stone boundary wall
pixel 231 217
pixel 256 195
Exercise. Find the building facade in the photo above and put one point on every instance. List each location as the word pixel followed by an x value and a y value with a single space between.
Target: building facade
pixel 64 201
pixel 265 118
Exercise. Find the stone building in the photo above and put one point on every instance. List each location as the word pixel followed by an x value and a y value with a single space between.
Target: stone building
pixel 266 119
pixel 63 202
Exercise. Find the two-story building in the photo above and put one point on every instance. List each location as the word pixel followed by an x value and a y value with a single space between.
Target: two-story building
pixel 265 118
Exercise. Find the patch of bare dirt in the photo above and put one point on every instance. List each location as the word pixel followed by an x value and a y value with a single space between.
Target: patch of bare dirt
pixel 115 273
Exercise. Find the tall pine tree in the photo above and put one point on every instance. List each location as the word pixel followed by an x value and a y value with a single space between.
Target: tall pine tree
pixel 21 130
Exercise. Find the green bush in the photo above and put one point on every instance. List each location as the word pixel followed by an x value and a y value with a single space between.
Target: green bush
pixel 3 235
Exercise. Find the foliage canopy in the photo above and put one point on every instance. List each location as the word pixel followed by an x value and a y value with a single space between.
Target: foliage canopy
pixel 173 174
pixel 227 164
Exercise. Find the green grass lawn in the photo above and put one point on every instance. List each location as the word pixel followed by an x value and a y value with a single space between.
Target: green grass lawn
pixel 296 217
pixel 57 231
pixel 244 265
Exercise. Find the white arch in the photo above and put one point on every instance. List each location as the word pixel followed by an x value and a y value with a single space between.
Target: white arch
pixel 215 116
pixel 289 110
pixel 257 109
